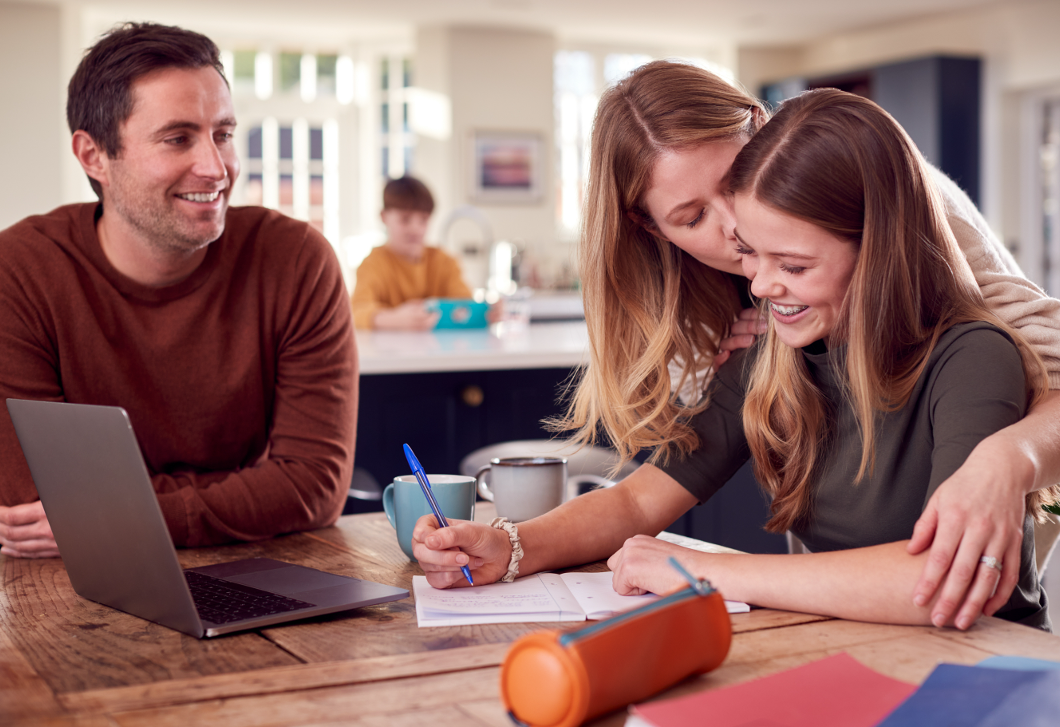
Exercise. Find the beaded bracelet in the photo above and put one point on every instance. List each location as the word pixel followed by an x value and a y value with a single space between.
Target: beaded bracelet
pixel 503 523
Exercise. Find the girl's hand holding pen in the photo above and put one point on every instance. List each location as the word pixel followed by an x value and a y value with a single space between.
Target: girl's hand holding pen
pixel 441 551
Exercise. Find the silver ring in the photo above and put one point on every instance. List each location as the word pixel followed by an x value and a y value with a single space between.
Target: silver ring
pixel 990 562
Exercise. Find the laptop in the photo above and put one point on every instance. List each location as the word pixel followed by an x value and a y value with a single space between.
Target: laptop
pixel 117 549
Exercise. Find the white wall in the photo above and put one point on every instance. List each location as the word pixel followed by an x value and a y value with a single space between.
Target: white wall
pixel 33 136
pixel 756 66
pixel 496 80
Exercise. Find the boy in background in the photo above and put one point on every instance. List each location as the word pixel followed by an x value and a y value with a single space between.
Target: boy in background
pixel 396 278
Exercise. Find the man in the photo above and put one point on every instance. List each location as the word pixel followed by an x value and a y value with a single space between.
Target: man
pixel 225 333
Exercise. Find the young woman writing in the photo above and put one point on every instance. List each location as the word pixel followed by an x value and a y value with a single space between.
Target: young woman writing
pixel 663 143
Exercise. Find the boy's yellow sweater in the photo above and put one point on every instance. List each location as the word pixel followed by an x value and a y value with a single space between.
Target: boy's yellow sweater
pixel 386 280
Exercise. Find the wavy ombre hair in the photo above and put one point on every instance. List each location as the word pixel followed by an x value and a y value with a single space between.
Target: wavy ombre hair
pixel 647 302
pixel 840 162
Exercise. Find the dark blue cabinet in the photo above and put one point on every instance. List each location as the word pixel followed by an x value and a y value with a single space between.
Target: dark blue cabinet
pixel 936 99
pixel 446 415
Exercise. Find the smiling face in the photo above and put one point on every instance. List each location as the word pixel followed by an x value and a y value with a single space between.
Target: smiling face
pixel 802 269
pixel 689 202
pixel 168 189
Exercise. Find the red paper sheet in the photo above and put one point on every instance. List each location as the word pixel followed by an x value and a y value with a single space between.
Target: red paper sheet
pixel 837 690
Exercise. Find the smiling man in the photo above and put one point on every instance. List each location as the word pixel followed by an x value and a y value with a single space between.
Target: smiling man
pixel 224 332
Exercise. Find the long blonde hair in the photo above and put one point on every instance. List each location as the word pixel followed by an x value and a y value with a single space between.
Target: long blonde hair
pixel 842 163
pixel 647 302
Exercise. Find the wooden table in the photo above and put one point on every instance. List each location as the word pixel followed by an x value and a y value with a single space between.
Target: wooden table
pixel 67 661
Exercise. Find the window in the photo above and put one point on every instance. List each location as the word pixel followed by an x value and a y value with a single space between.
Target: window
pixel 318 140
pixel 396 140
pixel 285 169
pixel 1049 193
pixel 1037 247
pixel 575 103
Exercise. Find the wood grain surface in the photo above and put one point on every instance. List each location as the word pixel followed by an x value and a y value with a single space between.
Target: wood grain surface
pixel 66 661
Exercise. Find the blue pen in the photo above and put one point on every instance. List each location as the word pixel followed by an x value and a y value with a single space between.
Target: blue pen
pixel 421 477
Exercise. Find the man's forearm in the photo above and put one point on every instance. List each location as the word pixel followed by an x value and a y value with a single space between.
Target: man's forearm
pixel 273 497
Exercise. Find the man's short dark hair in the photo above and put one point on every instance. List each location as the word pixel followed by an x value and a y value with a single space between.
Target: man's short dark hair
pixel 99 97
pixel 407 193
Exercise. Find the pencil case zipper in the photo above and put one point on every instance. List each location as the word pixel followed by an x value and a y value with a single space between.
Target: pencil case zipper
pixel 601 626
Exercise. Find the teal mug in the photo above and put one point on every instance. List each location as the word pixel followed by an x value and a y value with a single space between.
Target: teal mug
pixel 404 503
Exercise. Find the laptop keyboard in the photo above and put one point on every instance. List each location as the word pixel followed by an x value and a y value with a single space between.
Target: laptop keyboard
pixel 222 601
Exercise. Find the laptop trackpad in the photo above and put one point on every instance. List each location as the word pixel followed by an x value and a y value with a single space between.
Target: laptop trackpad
pixel 290 580
pixel 316 587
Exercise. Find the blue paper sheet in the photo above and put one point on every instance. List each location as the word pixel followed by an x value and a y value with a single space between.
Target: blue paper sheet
pixel 1024 663
pixel 976 696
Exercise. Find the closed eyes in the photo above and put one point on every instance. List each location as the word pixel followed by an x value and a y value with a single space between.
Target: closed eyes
pixel 790 269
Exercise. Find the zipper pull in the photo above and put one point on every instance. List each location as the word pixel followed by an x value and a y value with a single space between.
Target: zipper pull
pixel 702 587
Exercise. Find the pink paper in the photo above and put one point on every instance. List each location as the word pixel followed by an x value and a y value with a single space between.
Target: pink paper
pixel 837 690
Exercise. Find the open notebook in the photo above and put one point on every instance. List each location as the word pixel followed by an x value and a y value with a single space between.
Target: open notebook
pixel 540 597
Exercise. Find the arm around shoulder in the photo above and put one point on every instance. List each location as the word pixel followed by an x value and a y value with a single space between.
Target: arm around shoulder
pixel 1010 295
pixel 977 508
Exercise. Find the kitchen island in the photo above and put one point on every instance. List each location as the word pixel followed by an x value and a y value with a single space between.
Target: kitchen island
pixel 536 346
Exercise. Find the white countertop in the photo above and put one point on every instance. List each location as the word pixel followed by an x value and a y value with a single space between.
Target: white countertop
pixel 538 346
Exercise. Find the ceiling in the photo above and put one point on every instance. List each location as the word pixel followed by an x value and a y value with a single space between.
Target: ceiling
pixel 674 22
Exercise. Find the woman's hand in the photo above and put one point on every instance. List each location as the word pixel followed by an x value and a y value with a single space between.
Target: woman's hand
pixel 441 551
pixel 642 566
pixel 742 334
pixel 977 512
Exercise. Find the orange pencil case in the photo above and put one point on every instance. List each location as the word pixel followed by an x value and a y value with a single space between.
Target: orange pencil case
pixel 561 679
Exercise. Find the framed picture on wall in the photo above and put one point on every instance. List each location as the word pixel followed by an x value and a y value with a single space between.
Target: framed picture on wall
pixel 506 166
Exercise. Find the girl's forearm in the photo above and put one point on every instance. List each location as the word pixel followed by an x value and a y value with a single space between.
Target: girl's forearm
pixel 592 526
pixel 864 584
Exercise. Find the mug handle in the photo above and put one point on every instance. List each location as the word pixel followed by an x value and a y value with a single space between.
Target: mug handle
pixel 480 482
pixel 388 504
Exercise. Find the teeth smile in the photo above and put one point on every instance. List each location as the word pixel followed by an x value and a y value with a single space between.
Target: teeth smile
pixel 788 310
pixel 200 197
